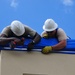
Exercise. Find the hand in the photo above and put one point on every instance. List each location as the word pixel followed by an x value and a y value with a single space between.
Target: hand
pixel 20 41
pixel 46 50
pixel 30 46
pixel 12 44
pixel 17 42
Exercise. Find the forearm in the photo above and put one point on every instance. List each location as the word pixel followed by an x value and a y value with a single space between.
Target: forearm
pixel 37 38
pixel 60 45
pixel 4 40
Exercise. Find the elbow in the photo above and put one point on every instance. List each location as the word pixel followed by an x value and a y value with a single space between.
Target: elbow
pixel 39 37
pixel 64 44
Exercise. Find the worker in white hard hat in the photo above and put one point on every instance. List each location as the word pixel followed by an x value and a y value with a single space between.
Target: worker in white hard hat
pixel 18 29
pixel 51 30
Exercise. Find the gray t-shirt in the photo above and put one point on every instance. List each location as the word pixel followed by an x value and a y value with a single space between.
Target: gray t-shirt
pixel 61 35
pixel 28 32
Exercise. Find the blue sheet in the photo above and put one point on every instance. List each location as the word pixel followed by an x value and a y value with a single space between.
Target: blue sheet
pixel 70 48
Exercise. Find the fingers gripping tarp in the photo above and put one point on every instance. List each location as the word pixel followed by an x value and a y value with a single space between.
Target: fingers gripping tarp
pixel 69 49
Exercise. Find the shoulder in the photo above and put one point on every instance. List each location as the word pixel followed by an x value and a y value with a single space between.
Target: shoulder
pixel 27 28
pixel 60 30
pixel 6 28
pixel 61 34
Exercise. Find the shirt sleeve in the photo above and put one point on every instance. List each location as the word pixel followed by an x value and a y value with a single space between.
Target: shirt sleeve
pixel 29 31
pixel 61 34
pixel 6 30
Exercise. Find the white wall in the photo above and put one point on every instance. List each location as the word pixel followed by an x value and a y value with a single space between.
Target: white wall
pixel 35 63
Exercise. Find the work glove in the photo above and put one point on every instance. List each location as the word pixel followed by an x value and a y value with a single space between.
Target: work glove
pixel 45 35
pixel 46 50
pixel 30 46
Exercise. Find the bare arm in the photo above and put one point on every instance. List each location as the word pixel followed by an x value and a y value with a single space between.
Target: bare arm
pixel 4 40
pixel 60 45
pixel 37 38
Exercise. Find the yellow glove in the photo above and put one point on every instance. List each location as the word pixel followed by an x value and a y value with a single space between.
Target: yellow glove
pixel 46 50
pixel 45 35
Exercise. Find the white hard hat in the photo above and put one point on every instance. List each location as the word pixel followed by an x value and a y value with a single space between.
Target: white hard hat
pixel 17 28
pixel 50 25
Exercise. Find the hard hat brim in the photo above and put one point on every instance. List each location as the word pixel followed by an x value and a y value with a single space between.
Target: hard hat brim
pixel 44 28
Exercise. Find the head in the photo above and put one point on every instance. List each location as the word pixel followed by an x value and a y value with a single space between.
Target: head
pixel 17 28
pixel 50 25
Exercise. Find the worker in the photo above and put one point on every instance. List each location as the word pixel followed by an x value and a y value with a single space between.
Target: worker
pixel 19 30
pixel 51 30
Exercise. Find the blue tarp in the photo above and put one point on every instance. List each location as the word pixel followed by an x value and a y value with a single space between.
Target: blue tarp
pixel 70 48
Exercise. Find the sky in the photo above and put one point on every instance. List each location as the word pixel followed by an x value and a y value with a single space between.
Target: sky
pixel 34 13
